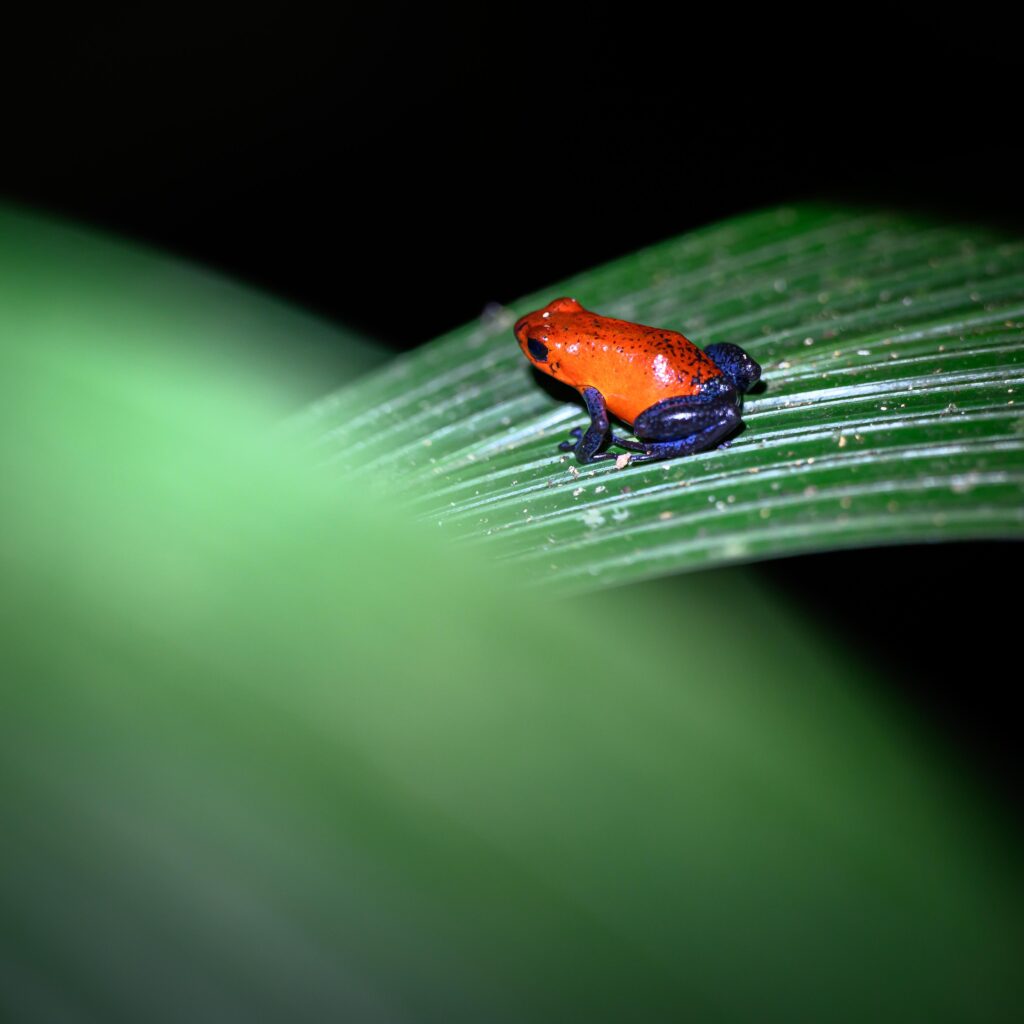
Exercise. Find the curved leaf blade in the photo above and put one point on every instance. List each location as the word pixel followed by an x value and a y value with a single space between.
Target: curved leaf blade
pixel 893 355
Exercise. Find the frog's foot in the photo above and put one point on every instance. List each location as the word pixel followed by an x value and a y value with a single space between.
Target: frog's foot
pixel 613 441
pixel 568 446
pixel 575 447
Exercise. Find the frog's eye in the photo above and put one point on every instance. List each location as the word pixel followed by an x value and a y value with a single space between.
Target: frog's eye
pixel 538 349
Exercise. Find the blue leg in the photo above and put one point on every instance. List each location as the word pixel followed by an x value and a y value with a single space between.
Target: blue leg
pixel 686 425
pixel 735 364
pixel 673 427
pixel 586 445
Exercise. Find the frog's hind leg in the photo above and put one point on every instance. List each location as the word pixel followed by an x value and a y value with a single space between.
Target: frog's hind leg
pixel 685 425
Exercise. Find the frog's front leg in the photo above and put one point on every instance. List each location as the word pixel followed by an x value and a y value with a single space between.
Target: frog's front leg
pixel 685 425
pixel 586 446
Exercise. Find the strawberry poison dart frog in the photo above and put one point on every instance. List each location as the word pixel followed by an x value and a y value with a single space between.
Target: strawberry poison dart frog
pixel 678 398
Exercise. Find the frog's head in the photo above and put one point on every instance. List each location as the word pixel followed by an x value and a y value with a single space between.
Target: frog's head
pixel 534 331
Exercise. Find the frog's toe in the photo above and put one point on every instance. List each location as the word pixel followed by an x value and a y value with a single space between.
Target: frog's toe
pixel 569 446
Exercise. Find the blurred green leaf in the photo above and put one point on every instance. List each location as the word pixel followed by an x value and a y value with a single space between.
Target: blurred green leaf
pixel 893 355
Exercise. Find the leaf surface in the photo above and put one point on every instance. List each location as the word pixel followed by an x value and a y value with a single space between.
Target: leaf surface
pixel 893 357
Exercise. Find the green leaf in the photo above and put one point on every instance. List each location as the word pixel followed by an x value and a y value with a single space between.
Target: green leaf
pixel 893 356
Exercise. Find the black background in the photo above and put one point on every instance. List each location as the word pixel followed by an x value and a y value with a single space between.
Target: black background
pixel 397 169
pixel 400 168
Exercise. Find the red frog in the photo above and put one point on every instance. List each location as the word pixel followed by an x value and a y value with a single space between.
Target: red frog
pixel 678 399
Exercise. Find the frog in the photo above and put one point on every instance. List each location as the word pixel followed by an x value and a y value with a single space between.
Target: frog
pixel 678 399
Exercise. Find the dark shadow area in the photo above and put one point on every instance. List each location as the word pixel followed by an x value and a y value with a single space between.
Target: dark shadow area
pixel 940 623
pixel 398 169
pixel 557 389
